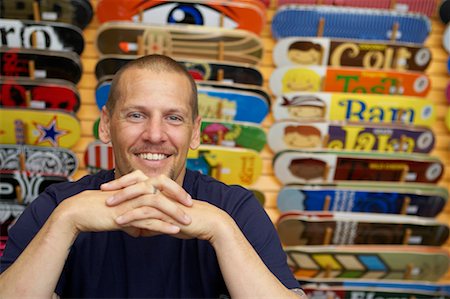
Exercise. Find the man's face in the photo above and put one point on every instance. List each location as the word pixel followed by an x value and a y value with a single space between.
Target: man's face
pixel 151 128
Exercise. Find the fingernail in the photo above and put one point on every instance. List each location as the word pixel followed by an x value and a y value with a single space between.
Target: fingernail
pixel 120 220
pixel 189 199
pixel 187 219
pixel 110 200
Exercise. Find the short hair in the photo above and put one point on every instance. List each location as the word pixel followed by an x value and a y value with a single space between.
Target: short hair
pixel 156 63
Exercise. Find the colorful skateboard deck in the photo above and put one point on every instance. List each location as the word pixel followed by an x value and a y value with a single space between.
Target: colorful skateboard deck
pixel 439 289
pixel 389 198
pixel 98 156
pixel 314 228
pixel 351 53
pixel 43 127
pixel 329 166
pixel 354 80
pixel 30 186
pixel 374 262
pixel 180 41
pixel 210 70
pixel 75 12
pixel 47 64
pixel 426 7
pixel 355 108
pixel 38 159
pixel 216 103
pixel 362 136
pixel 44 93
pixel 49 35
pixel 246 15
pixel 365 24
pixel 229 165
pixel 446 39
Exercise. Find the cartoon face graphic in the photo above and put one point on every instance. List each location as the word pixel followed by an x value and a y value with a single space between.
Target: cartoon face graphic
pixel 305 53
pixel 301 79
pixel 308 168
pixel 305 107
pixel 302 137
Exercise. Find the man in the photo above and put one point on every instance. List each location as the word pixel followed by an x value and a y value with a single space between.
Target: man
pixel 150 228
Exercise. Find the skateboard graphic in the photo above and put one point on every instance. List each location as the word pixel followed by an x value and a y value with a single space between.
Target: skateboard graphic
pixel 320 106
pixel 98 156
pixel 374 262
pixel 42 127
pixel 22 187
pixel 341 228
pixel 230 165
pixel 216 103
pixel 351 53
pixel 354 80
pixel 388 198
pixel 245 15
pixel 179 41
pixel 75 12
pixel 426 7
pixel 47 64
pixel 210 70
pixel 38 159
pixel 43 93
pixel 365 24
pixel 362 136
pixel 48 35
pixel 292 167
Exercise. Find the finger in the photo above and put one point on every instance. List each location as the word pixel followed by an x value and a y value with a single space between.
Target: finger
pixel 155 226
pixel 124 181
pixel 130 192
pixel 172 190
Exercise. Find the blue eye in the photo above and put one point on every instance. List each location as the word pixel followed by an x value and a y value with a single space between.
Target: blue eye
pixel 185 14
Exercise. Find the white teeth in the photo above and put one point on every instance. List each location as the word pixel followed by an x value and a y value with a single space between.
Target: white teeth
pixel 153 157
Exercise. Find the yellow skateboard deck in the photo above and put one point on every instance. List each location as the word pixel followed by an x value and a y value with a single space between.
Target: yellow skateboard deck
pixel 230 165
pixel 41 127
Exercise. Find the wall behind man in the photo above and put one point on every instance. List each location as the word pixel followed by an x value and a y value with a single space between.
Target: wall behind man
pixel 268 183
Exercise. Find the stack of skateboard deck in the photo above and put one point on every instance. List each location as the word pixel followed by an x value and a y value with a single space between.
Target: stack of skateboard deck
pixel 351 126
pixel 219 45
pixel 39 69
pixel 444 13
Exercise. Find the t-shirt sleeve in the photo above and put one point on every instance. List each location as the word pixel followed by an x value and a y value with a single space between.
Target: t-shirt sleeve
pixel 261 233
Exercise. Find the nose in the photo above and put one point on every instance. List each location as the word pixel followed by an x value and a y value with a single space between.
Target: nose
pixel 154 130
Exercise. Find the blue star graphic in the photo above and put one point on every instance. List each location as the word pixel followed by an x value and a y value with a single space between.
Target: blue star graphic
pixel 50 133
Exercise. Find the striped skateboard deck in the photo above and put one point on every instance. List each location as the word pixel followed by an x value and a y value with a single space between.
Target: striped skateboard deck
pixel 180 41
pixel 351 23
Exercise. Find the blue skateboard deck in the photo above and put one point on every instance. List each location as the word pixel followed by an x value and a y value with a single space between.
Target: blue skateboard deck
pixel 216 103
pixel 352 23
pixel 418 199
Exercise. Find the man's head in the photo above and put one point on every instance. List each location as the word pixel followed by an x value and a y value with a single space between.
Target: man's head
pixel 151 117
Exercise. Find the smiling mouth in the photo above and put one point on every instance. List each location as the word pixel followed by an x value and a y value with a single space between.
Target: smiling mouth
pixel 153 157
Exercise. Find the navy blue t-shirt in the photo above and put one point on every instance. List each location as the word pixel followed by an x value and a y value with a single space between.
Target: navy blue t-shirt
pixel 114 264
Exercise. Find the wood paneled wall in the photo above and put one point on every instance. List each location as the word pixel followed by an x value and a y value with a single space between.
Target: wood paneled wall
pixel 437 71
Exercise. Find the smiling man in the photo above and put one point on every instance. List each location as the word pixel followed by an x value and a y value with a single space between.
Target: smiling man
pixel 150 228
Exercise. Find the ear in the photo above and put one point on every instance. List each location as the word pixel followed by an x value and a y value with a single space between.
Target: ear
pixel 104 126
pixel 195 139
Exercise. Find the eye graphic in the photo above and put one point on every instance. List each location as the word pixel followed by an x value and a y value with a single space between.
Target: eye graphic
pixel 195 14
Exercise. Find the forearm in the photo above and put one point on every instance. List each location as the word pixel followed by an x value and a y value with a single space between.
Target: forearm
pixel 244 272
pixel 36 271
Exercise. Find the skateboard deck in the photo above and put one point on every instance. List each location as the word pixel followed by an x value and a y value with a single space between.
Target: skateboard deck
pixel 340 228
pixel 245 15
pixel 30 186
pixel 98 156
pixel 215 103
pixel 447 119
pixel 284 135
pixel 444 11
pixel 329 166
pixel 426 7
pixel 366 24
pixel 320 106
pixel 44 93
pixel 38 159
pixel 75 12
pixel 374 262
pixel 47 64
pixel 388 198
pixel 446 38
pixel 49 35
pixel 354 80
pixel 180 41
pixel 210 70
pixel 351 53
pixel 230 165
pixel 43 127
